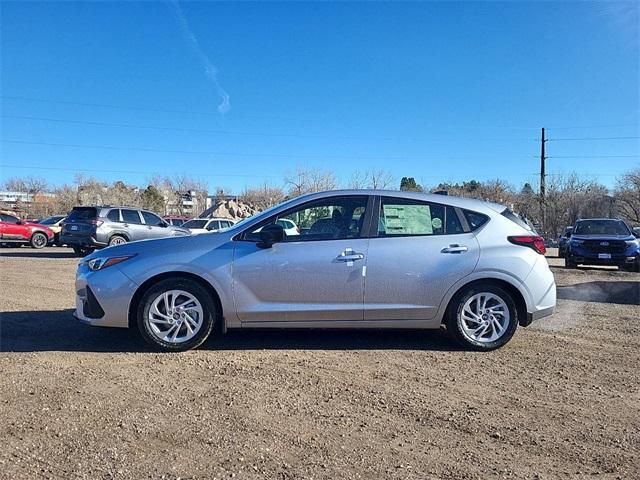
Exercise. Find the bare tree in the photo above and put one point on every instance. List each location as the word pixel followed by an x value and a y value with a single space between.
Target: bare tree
pixel 308 180
pixel 262 197
pixel 375 178
pixel 29 184
pixel 627 196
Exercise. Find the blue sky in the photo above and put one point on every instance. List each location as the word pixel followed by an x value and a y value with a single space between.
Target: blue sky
pixel 441 91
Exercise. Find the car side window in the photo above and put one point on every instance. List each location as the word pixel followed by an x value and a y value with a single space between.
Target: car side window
pixel 475 219
pixel 130 216
pixel 407 217
pixel 114 215
pixel 151 219
pixel 213 225
pixel 9 219
pixel 333 218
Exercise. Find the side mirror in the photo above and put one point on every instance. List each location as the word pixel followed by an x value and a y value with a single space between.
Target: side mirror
pixel 19 222
pixel 270 234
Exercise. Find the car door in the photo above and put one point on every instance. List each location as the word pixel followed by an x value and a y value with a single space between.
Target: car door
pixel 12 229
pixel 314 276
pixel 419 251
pixel 156 227
pixel 132 221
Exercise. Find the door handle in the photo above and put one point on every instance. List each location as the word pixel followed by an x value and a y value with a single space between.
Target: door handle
pixel 454 248
pixel 148 228
pixel 349 256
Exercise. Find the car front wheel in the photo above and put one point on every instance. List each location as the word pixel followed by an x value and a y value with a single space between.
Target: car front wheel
pixel 39 240
pixel 483 317
pixel 176 315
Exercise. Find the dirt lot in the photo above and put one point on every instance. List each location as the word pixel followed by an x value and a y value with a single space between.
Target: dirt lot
pixel 561 400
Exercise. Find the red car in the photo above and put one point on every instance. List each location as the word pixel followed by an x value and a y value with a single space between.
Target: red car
pixel 14 232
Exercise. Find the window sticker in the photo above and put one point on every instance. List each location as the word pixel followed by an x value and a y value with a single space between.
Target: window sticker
pixel 407 220
pixel 436 223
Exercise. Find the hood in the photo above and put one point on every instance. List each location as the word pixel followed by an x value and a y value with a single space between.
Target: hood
pixel 603 237
pixel 160 245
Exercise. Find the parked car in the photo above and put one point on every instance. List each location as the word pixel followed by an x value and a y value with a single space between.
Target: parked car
pixel 175 220
pixel 198 226
pixel 603 241
pixel 15 233
pixel 636 232
pixel 383 260
pixel 88 228
pixel 563 243
pixel 55 224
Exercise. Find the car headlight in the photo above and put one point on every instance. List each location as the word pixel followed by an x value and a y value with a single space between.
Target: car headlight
pixel 100 263
pixel 632 243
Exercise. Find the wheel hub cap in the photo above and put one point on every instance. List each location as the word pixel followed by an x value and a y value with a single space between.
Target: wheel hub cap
pixel 175 316
pixel 484 317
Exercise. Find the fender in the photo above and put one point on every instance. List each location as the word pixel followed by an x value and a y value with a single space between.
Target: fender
pixel 483 275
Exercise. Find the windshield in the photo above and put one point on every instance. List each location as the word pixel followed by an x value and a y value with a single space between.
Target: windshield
pixel 51 220
pixel 195 224
pixel 601 227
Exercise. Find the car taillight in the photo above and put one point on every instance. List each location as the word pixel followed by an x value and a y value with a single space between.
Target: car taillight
pixel 535 242
pixel 95 222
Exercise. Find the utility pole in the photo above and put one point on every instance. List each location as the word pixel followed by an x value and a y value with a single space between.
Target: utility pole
pixel 543 187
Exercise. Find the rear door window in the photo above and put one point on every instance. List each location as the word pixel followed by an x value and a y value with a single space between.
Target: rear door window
pixel 407 217
pixel 8 219
pixel 130 216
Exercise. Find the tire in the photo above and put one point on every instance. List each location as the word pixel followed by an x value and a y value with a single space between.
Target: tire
pixel 171 332
pixel 82 251
pixel 56 240
pixel 569 263
pixel 117 240
pixel 460 324
pixel 38 240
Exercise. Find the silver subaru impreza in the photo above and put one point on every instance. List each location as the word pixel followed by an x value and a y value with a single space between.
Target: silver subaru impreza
pixel 347 259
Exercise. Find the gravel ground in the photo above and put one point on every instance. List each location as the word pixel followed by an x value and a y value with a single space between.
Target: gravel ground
pixel 561 400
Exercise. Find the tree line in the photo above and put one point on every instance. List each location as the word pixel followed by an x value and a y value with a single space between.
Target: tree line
pixel 568 197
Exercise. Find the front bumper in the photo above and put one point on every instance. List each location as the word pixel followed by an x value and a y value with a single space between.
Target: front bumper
pixel 103 297
pixel 628 257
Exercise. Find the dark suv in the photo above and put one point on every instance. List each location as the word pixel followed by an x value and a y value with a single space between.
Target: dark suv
pixel 89 228
pixel 603 241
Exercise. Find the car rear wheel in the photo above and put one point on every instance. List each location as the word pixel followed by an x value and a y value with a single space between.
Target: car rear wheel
pixel 483 317
pixel 117 240
pixel 38 240
pixel 176 315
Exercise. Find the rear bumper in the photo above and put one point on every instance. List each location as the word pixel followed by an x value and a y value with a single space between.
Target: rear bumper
pixel 81 241
pixel 537 315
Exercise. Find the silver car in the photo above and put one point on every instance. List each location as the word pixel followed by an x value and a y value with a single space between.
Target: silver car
pixel 88 228
pixel 357 259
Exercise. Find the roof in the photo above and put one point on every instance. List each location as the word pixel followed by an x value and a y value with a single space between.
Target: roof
pixel 468 203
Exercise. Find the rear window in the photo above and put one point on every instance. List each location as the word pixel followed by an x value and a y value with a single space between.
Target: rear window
pixel 516 219
pixel 475 219
pixel 82 214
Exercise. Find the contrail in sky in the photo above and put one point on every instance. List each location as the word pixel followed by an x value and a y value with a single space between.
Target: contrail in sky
pixel 210 70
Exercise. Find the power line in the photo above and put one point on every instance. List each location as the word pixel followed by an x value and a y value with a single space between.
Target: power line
pixel 592 138
pixel 235 132
pixel 596 156
pixel 241 154
pixel 132 172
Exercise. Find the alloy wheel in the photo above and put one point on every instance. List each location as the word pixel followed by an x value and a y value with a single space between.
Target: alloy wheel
pixel 175 316
pixel 484 317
